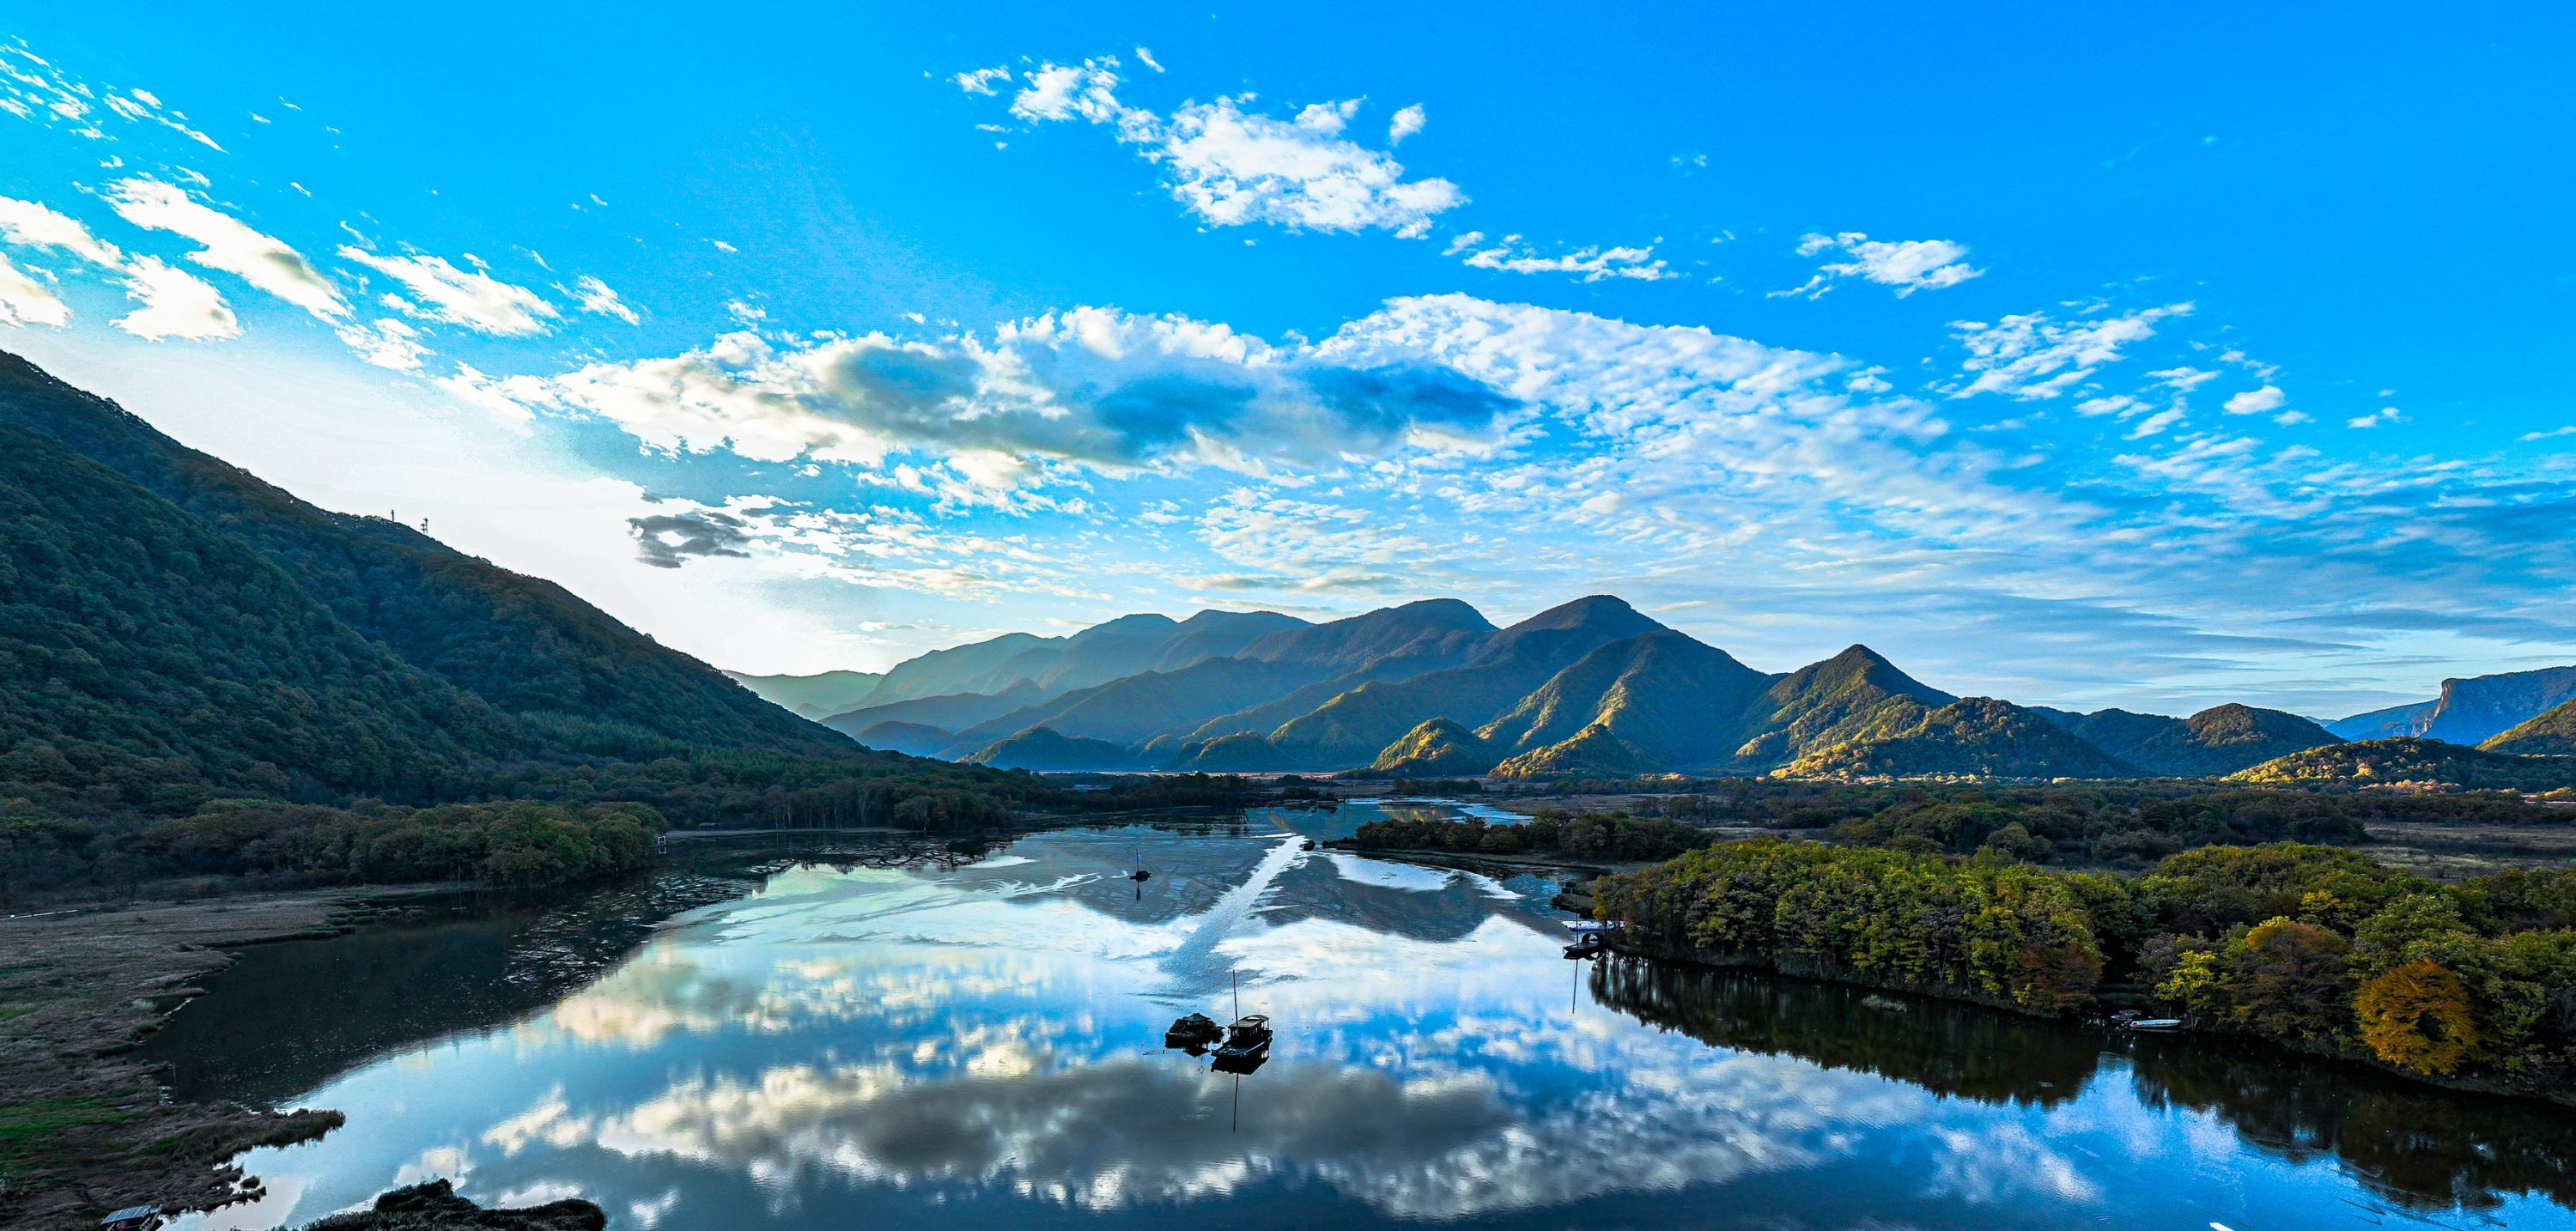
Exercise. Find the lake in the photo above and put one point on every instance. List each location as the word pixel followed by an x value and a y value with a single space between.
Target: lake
pixel 977 1042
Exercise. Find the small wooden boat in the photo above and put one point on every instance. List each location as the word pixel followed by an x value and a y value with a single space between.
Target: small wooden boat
pixel 1248 1036
pixel 2154 1023
pixel 1194 1031
pixel 1592 945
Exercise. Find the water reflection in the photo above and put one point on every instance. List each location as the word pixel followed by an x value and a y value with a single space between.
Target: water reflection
pixel 982 1046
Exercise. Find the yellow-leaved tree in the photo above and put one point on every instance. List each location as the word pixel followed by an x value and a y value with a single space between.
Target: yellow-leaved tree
pixel 2416 1015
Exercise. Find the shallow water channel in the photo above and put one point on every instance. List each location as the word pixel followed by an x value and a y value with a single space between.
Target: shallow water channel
pixel 980 1045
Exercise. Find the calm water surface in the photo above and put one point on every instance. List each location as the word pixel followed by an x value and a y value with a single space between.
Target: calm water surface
pixel 979 1046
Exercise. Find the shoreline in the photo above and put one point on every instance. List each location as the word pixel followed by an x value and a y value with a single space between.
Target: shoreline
pixel 86 1126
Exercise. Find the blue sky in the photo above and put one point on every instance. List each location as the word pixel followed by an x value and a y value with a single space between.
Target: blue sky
pixel 2153 358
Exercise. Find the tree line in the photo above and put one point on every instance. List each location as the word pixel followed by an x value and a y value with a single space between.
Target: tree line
pixel 2312 947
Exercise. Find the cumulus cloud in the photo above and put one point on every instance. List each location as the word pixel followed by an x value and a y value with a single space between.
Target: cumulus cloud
pixel 2034 356
pixel 1091 388
pixel 1908 265
pixel 2385 414
pixel 176 304
pixel 594 297
pixel 2265 400
pixel 25 301
pixel 1511 255
pixel 227 244
pixel 1407 121
pixel 1231 167
pixel 471 298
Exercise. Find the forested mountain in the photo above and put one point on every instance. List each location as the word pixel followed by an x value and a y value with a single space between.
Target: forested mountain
pixel 948 711
pixel 202 675
pixel 1673 699
pixel 1043 748
pixel 2214 742
pixel 2551 734
pixel 1851 696
pixel 2469 710
pixel 2409 760
pixel 1439 748
pixel 1979 736
pixel 140 646
pixel 1096 655
pixel 574 679
pixel 812 697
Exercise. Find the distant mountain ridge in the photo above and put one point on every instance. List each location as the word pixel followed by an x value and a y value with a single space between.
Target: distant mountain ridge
pixel 1589 688
pixel 2469 711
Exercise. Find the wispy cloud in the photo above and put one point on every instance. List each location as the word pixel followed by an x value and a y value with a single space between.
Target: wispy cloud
pixel 471 298
pixel 1511 255
pixel 1230 166
pixel 1908 265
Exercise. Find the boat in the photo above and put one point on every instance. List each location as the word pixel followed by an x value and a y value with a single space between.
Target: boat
pixel 1247 1037
pixel 2155 1023
pixel 1592 945
pixel 1195 1031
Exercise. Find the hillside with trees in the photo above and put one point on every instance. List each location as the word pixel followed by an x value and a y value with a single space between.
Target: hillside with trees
pixel 2420 763
pixel 2551 734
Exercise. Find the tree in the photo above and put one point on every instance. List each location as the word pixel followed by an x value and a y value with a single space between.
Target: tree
pixel 2290 980
pixel 2416 1015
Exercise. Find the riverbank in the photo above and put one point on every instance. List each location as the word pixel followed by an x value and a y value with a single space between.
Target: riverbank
pixel 86 1127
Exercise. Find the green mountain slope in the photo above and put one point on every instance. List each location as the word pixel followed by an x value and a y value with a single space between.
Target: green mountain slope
pixel 1439 748
pixel 2422 761
pixel 2551 734
pixel 910 738
pixel 577 679
pixel 1593 752
pixel 812 697
pixel 1977 737
pixel 1852 696
pixel 1352 728
pixel 2212 743
pixel 1047 751
pixel 140 646
pixel 1674 698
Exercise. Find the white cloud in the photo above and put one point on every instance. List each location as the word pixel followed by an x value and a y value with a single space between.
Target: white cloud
pixel 1511 255
pixel 30 224
pixel 2385 414
pixel 263 261
pixel 176 304
pixel 25 301
pixel 1145 56
pixel 1908 265
pixel 2032 356
pixel 1407 122
pixel 473 299
pixel 2552 434
pixel 2290 418
pixel 1231 167
pixel 595 297
pixel 2156 424
pixel 388 343
pixel 2258 401
pixel 980 81
pixel 2184 379
pixel 1091 388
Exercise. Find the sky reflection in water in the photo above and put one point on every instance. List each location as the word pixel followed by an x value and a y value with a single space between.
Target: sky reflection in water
pixel 981 1047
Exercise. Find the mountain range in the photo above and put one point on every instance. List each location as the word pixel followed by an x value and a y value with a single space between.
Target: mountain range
pixel 2468 711
pixel 1433 689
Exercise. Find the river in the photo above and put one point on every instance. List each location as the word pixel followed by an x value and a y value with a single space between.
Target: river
pixel 977 1042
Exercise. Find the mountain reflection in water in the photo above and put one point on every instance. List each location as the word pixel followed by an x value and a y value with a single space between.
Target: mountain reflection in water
pixel 980 1046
